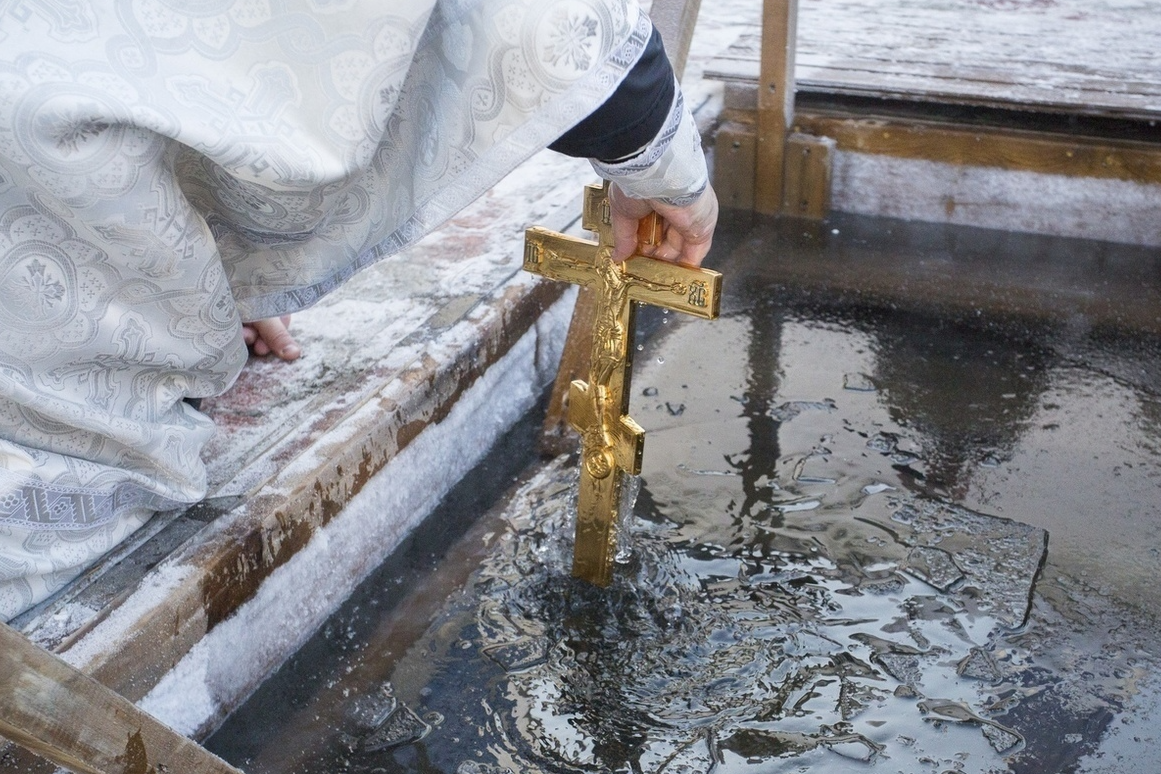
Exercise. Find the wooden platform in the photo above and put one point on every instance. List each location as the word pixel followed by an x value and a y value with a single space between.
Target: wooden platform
pixel 1064 57
pixel 1038 116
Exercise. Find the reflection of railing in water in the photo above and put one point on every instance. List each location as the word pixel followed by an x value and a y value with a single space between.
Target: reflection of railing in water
pixel 762 351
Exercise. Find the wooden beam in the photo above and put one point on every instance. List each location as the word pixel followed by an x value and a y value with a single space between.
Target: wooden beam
pixel 775 101
pixel 66 716
pixel 734 149
pixel 675 20
pixel 981 146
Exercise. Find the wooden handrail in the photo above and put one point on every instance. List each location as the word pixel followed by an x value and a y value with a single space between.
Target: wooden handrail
pixel 62 714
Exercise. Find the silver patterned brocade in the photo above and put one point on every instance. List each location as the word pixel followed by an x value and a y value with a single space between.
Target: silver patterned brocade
pixel 170 169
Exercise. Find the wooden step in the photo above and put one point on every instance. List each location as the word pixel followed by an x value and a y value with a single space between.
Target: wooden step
pixel 322 466
pixel 1066 57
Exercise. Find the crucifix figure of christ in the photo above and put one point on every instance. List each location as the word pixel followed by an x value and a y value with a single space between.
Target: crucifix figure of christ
pixel 611 442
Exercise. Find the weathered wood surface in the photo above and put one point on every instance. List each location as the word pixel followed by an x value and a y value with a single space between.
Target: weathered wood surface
pixel 1090 57
pixel 1006 179
pixel 1011 149
pixel 807 171
pixel 68 717
pixel 675 20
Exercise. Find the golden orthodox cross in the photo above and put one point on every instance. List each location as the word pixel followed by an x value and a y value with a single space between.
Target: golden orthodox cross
pixel 611 442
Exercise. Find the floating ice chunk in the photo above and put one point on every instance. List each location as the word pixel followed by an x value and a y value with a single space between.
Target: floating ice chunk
pixel 979 665
pixel 791 409
pixel 368 712
pixel 401 727
pixel 858 382
pixel 859 749
pixel 520 654
pixel 475 767
pixel 935 566
pixel 798 505
pixel 877 488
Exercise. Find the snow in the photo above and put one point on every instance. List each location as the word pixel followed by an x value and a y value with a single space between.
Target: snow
pixel 154 590
pixel 1083 56
pixel 990 197
pixel 234 657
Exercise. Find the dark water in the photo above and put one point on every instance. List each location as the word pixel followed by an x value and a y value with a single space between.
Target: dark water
pixel 899 513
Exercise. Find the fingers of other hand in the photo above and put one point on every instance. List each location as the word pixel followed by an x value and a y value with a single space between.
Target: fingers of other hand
pixel 271 336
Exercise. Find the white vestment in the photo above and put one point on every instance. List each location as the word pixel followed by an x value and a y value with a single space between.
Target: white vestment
pixel 169 169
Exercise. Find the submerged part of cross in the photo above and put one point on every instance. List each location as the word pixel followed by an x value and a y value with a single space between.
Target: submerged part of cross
pixel 611 442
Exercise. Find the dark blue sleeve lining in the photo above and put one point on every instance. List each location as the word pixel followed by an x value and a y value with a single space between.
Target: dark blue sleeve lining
pixel 631 117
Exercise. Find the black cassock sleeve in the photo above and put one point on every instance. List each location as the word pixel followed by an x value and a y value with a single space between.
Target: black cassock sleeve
pixel 631 117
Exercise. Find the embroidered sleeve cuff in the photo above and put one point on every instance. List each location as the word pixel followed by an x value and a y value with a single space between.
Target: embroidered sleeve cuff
pixel 670 169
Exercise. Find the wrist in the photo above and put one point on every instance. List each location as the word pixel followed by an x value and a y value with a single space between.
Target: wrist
pixel 670 170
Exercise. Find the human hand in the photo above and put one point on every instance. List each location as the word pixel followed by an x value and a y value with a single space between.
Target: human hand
pixel 687 232
pixel 264 337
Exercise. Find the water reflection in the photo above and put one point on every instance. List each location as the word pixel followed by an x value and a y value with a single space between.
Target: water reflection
pixel 968 394
pixel 763 420
pixel 708 660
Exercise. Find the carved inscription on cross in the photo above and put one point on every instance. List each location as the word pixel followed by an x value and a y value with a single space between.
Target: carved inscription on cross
pixel 611 442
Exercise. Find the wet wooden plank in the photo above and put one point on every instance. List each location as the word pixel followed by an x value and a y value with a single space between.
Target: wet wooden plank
pixel 735 148
pixel 807 170
pixel 1009 149
pixel 1092 57
pixel 1006 179
pixel 62 714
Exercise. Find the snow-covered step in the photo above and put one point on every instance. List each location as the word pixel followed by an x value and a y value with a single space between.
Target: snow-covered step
pixel 322 466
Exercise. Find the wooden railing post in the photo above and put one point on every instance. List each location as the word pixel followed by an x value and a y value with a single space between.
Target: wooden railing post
pixel 775 103
pixel 675 21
